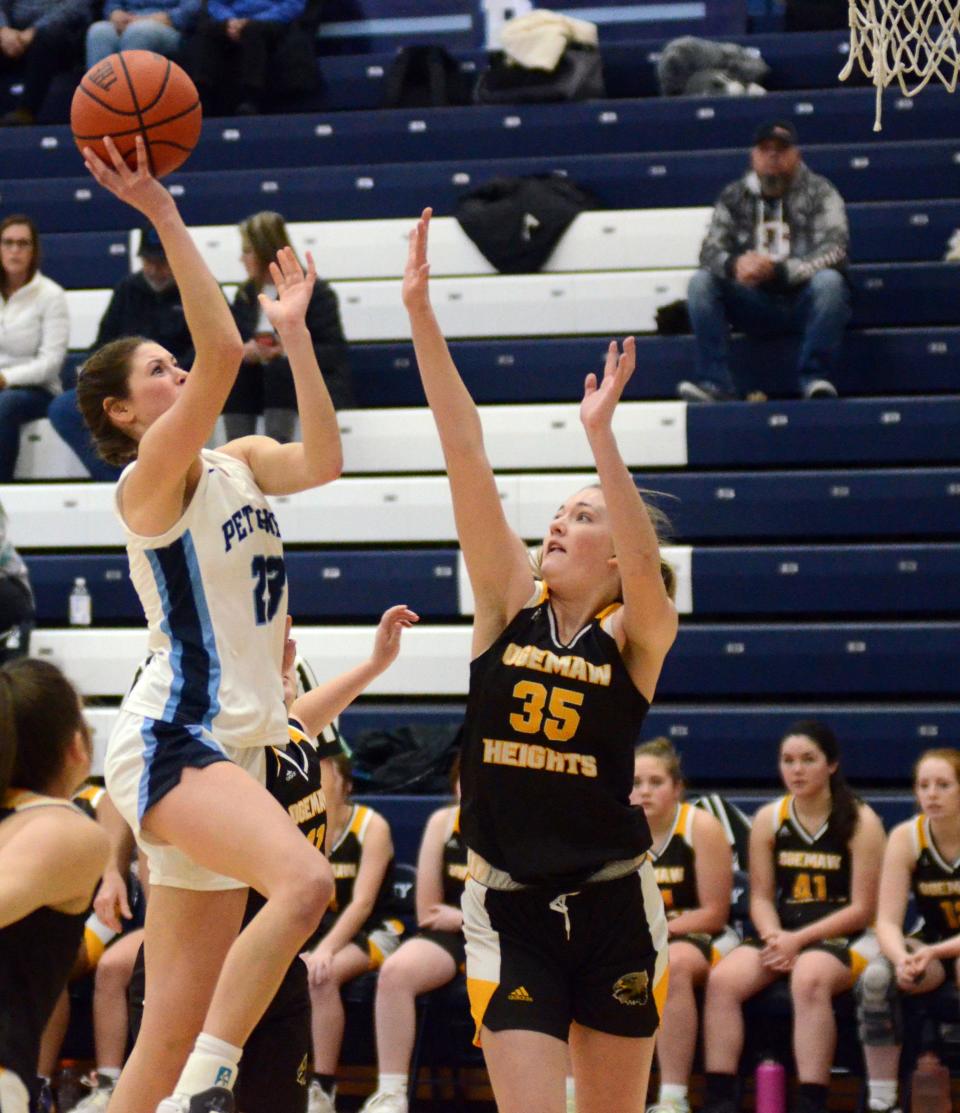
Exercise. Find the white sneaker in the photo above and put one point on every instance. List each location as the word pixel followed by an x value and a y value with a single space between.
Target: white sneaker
pixel 217 1099
pixel 318 1100
pixel 98 1098
pixel 385 1103
pixel 669 1107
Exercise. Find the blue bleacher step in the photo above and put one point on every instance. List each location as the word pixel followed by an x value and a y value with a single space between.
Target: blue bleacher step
pixel 854 580
pixel 861 171
pixel 726 743
pixel 548 369
pixel 592 127
pixel 852 431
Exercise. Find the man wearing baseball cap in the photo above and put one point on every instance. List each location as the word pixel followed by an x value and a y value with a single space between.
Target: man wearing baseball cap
pixel 773 261
pixel 145 302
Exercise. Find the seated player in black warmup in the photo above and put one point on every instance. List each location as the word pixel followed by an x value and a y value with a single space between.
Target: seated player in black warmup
pixel 922 859
pixel 428 961
pixel 51 858
pixel 564 924
pixel 693 864
pixel 359 929
pixel 814 871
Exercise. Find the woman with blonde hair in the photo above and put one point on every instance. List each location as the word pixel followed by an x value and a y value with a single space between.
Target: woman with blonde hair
pixel 264 383
pixel 693 864
pixel 566 938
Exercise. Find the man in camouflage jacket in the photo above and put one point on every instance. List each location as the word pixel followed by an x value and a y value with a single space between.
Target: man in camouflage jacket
pixel 773 261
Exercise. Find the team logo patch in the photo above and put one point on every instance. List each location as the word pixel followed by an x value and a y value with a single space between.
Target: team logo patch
pixel 224 1075
pixel 520 994
pixel 632 989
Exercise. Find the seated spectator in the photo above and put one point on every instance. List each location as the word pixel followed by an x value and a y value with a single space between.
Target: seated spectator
pixel 922 858
pixel 146 302
pixel 34 332
pixel 693 864
pixel 16 597
pixel 357 932
pixel 264 384
pixel 155 25
pixel 244 49
pixel 38 39
pixel 773 262
pixel 814 871
pixel 428 961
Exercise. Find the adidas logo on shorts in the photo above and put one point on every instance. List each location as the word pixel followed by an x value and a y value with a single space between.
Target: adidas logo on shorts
pixel 520 994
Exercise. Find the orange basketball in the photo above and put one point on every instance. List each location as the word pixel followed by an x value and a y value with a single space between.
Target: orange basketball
pixel 136 93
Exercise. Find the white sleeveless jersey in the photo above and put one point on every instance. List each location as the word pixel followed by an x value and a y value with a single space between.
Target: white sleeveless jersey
pixel 214 591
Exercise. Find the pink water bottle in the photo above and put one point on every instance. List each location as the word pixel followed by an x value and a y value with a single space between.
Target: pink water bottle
pixel 771 1081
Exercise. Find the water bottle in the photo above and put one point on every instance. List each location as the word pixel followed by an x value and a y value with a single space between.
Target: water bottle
pixel 930 1086
pixel 771 1083
pixel 81 612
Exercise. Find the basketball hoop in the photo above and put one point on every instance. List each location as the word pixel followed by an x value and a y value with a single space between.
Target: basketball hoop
pixel 907 41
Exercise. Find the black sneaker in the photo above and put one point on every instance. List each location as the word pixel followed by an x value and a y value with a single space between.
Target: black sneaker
pixel 819 388
pixel 702 391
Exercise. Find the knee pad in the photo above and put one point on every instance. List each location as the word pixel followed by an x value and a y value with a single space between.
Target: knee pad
pixel 879 1016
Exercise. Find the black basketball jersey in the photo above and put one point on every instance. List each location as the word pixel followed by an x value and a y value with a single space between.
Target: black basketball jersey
pixel 936 886
pixel 293 778
pixel 87 798
pixel 547 764
pixel 345 857
pixel 37 954
pixel 675 866
pixel 454 863
pixel 813 872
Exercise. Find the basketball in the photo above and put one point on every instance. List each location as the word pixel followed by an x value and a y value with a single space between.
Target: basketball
pixel 136 93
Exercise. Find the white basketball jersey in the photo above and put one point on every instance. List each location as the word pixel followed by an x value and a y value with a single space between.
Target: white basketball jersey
pixel 214 591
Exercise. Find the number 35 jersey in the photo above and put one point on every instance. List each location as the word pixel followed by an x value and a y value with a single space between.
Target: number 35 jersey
pixel 213 588
pixel 547 764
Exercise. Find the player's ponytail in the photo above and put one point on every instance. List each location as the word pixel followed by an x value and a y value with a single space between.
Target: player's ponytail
pixel 8 734
pixel 105 375
pixel 40 709
pixel 844 806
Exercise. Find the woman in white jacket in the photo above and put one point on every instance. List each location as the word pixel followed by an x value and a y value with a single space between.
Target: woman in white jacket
pixel 34 329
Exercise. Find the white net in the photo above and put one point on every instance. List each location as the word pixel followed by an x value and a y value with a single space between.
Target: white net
pixel 907 41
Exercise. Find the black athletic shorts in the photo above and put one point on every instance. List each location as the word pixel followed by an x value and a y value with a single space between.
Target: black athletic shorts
pixel 538 960
pixel 274 1070
pixel 450 941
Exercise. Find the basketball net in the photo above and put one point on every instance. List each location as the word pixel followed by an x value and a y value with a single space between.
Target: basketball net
pixel 907 41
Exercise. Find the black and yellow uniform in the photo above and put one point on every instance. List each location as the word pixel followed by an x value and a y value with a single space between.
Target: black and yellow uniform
pixel 813 876
pixel 936 886
pixel 454 879
pixel 380 935
pixel 675 868
pixel 562 916
pixel 273 1072
pixel 37 954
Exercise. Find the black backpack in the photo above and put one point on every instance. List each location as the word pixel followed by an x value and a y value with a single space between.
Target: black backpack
pixel 517 222
pixel 577 76
pixel 425 77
